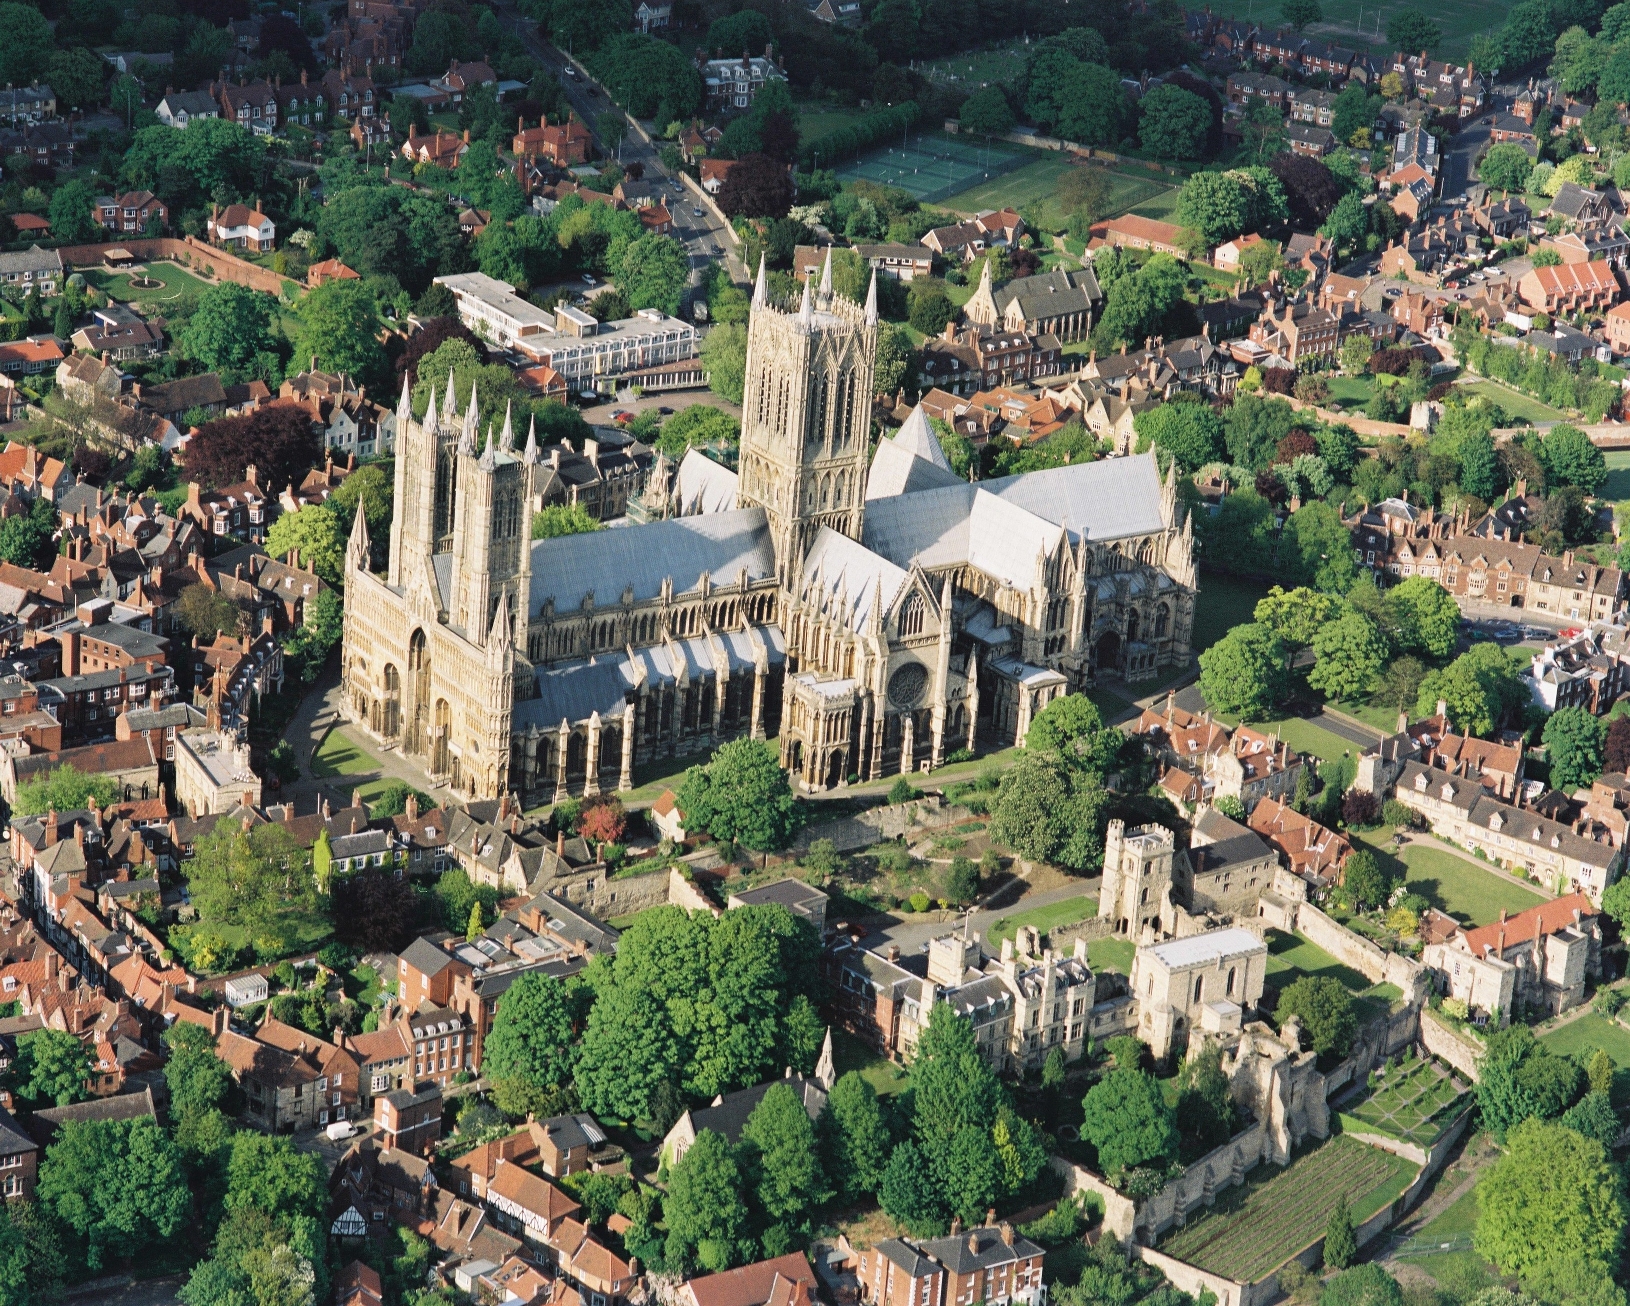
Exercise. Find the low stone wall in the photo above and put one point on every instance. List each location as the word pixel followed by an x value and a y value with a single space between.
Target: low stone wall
pixel 1193 1280
pixel 1219 1169
pixel 1094 927
pixel 1449 1045
pixel 191 251
pixel 1363 425
pixel 875 824
pixel 1120 1211
pixel 1371 960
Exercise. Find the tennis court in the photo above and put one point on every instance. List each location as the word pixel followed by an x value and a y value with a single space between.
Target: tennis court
pixel 934 167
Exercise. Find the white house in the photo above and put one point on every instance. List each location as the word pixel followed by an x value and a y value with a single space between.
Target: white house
pixel 237 225
pixel 178 108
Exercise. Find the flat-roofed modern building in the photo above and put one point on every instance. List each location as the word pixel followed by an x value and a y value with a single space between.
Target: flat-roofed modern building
pixel 1207 980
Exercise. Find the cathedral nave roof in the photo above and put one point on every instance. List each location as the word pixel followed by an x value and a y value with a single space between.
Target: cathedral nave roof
pixel 1104 500
pixel 836 565
pixel 605 563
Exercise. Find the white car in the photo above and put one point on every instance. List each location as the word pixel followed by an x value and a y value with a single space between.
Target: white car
pixel 341 1130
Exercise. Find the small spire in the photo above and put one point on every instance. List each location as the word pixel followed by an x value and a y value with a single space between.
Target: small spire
pixel 871 301
pixel 531 454
pixel 449 404
pixel 806 311
pixel 431 426
pixel 761 291
pixel 472 422
pixel 506 442
pixel 404 407
pixel 826 277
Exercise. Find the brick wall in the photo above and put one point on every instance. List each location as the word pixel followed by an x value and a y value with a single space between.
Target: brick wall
pixel 190 252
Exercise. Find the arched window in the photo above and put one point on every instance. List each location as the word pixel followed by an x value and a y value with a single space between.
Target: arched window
pixel 1199 985
pixel 1162 616
pixel 1131 625
pixel 911 615
pixel 1228 991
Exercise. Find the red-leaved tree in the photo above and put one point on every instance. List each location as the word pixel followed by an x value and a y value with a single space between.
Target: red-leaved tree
pixel 757 187
pixel 278 441
pixel 604 822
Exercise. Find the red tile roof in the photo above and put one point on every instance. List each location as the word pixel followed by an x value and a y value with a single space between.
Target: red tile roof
pixel 1526 926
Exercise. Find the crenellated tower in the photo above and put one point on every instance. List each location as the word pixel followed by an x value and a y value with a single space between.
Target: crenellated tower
pixel 806 414
pixel 492 556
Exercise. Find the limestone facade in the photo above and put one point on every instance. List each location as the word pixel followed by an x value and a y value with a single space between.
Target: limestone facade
pixel 874 610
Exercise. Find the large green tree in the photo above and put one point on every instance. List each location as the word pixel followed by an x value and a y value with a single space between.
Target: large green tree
pixel 1316 548
pixel 231 325
pixel 1326 1012
pixel 532 1038
pixel 1297 616
pixel 52 1067
pixel 1072 727
pixel 741 795
pixel 782 1160
pixel 315 535
pixel 339 328
pixel 1478 689
pixel 910 1194
pixel 119 1184
pixel 1554 1197
pixel 855 1135
pixel 1052 810
pixel 1505 167
pixel 250 878
pixel 1244 672
pixel 1570 458
pixel 707 1218
pixel 1425 617
pixel 1349 656
pixel 1173 123
pixel 1191 433
pixel 698 1005
pixel 1575 744
pixel 654 273
pixel 1125 1116
pixel 27 48
pixel 954 1085
pixel 197 1079
pixel 64 789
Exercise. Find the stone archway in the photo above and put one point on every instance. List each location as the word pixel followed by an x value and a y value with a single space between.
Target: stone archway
pixel 418 740
pixel 1109 651
pixel 834 769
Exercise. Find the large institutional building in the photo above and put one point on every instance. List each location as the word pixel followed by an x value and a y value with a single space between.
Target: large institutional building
pixel 875 614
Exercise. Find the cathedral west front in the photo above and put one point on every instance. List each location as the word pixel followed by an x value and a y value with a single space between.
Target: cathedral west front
pixel 868 608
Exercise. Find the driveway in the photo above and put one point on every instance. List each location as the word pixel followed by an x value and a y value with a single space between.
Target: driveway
pixel 1460 159
pixel 913 936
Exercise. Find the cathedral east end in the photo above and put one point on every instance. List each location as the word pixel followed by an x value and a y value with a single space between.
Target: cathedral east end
pixel 871 609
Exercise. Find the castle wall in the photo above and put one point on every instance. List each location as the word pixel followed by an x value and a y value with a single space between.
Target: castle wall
pixel 1449 1045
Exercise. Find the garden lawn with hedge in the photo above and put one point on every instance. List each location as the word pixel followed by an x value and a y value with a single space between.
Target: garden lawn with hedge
pixel 1257 1226
pixel 1415 1103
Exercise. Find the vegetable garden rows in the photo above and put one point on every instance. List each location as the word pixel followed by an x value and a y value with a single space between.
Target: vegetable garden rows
pixel 1259 1233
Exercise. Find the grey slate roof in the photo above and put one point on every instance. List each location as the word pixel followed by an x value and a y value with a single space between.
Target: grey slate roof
pixel 978 1249
pixel 728 1116
pixel 1051 294
pixel 425 956
pixel 605 563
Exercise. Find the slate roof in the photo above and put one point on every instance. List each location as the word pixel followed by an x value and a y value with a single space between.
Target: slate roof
pixel 425 957
pixel 978 1249
pixel 1050 294
pixel 728 1116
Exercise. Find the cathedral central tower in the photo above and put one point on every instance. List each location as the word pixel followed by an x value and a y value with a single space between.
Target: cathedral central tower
pixel 806 414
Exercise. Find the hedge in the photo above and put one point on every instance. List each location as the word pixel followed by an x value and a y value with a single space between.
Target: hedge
pixel 879 125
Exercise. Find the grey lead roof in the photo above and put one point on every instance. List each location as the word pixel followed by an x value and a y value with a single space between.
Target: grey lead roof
pixel 1104 500
pixel 606 563
pixel 851 574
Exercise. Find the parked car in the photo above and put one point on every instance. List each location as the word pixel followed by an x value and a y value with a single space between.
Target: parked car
pixel 340 1130
pixel 666 412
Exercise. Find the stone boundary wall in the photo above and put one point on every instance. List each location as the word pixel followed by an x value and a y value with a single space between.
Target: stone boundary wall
pixel 191 251
pixel 875 824
pixel 1363 425
pixel 1192 1280
pixel 1094 927
pixel 1120 1211
pixel 683 893
pixel 1374 962
pixel 1449 1045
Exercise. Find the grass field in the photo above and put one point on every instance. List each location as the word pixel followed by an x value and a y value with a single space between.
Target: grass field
pixel 1351 390
pixel 1451 883
pixel 1617 485
pixel 849 1053
pixel 1004 63
pixel 177 282
pixel 1111 954
pixel 1290 956
pixel 817 118
pixel 1045 919
pixel 338 756
pixel 1305 737
pixel 1224 602
pixel 1414 1103
pixel 1256 1227
pixel 1515 403
pixel 1591 1031
pixel 1033 183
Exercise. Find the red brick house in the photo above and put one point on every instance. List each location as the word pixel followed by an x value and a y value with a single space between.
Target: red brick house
pixel 1570 287
pixel 131 211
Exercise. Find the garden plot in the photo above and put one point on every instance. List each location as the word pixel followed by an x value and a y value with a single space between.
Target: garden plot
pixel 1415 1103
pixel 1256 1227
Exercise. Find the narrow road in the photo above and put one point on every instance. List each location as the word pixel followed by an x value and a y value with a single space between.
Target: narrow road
pixel 913 936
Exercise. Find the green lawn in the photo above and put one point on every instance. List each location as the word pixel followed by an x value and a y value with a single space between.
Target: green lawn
pixel 1256 1227
pixel 1045 919
pixel 1111 954
pixel 816 118
pixel 1224 602
pixel 1353 391
pixel 1617 485
pixel 1384 719
pixel 970 70
pixel 1518 405
pixel 1451 883
pixel 1031 184
pixel 885 1076
pixel 1305 737
pixel 177 282
pixel 1290 956
pixel 1591 1031
pixel 1160 205
pixel 339 756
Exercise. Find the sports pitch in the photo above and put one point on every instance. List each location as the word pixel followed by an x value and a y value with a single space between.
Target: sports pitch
pixel 933 168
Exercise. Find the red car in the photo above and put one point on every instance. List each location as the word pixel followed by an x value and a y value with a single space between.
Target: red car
pixel 622 415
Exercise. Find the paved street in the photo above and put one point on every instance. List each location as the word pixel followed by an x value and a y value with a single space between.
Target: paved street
pixel 913 936
pixel 703 235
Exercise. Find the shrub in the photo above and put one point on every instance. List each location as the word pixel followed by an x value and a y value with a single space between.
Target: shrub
pixel 918 901
pixel 1397 814
pixel 1360 810
pixel 901 791
pixel 1455 1009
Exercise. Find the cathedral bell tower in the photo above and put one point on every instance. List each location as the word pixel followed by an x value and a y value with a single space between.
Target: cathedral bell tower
pixel 806 414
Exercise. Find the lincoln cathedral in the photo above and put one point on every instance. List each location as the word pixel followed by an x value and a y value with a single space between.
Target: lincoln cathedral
pixel 869 609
